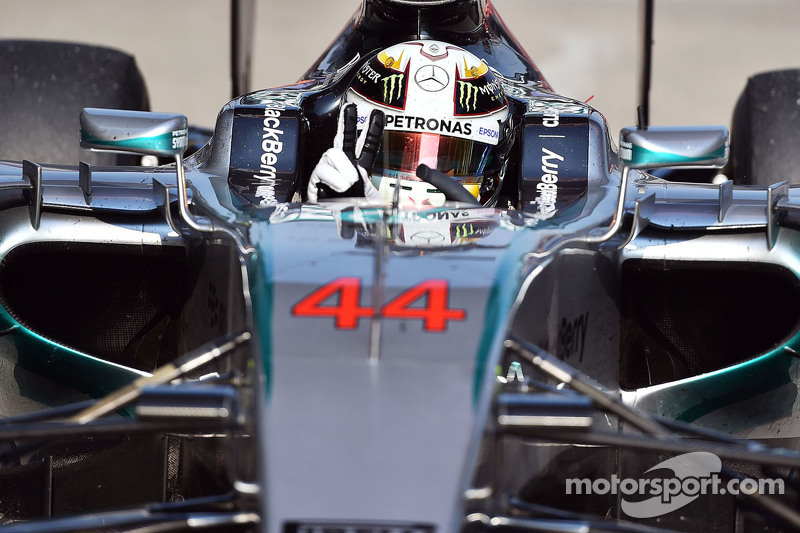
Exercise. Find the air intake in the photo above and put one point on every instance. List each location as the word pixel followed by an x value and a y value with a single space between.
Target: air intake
pixel 681 319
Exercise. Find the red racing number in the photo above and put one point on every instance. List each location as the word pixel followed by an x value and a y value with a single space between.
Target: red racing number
pixel 347 311
pixel 433 294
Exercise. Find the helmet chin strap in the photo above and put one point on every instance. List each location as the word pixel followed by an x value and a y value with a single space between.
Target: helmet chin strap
pixel 495 182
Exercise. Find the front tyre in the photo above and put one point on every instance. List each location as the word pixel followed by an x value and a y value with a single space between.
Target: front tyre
pixel 765 132
pixel 44 86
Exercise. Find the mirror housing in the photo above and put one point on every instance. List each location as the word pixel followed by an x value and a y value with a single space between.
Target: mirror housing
pixel 137 132
pixel 154 134
pixel 674 147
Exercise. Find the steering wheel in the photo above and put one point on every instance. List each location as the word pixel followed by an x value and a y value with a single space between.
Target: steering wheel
pixel 453 191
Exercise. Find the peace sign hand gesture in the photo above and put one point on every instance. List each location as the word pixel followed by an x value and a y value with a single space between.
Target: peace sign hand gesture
pixel 340 173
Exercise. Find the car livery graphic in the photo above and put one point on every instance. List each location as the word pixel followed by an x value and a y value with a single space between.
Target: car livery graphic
pixel 197 346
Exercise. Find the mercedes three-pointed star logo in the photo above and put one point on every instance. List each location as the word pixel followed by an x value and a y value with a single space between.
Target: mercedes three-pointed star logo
pixel 429 237
pixel 431 78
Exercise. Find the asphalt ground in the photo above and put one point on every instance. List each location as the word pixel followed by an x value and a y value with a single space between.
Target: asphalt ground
pixel 587 49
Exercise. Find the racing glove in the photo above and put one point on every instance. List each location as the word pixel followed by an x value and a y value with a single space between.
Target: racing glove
pixel 339 173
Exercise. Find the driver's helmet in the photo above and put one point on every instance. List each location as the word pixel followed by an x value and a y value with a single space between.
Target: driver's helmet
pixel 444 108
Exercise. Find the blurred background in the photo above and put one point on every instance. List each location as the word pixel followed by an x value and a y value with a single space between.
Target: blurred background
pixel 704 50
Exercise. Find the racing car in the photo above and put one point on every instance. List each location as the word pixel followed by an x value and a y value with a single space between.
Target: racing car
pixel 600 339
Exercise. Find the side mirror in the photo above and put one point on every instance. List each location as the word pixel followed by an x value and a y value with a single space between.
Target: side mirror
pixel 146 133
pixel 674 147
pixel 138 132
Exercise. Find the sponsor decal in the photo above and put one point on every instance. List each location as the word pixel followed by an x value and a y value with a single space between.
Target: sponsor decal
pixel 471 230
pixel 555 161
pixel 572 336
pixel 625 150
pixel 446 228
pixel 467 94
pixel 393 87
pixel 367 73
pixel 440 215
pixel 382 85
pixel 478 96
pixel 436 125
pixel 490 133
pixel 271 148
pixel 427 238
pixel 431 78
pixel 455 215
pixel 550 118
pixel 263 154
pixel 180 139
pixel 547 189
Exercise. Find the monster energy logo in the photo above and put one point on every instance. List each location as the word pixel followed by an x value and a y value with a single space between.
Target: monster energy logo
pixel 389 84
pixel 462 231
pixel 467 92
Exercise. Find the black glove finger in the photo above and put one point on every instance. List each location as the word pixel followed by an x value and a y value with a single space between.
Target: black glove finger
pixel 325 192
pixel 372 140
pixel 349 132
pixel 356 190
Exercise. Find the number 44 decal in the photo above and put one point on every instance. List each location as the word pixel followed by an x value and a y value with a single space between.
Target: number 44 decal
pixel 347 310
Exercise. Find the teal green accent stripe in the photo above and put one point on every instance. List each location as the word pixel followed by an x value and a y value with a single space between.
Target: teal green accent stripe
pixel 69 367
pixel 160 143
pixel 732 385
pixel 262 294
pixel 6 321
pixel 641 156
pixel 505 288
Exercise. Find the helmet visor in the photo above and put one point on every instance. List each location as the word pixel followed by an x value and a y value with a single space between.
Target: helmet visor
pixel 463 159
